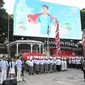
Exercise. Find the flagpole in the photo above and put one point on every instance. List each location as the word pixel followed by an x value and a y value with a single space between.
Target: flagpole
pixel 48 41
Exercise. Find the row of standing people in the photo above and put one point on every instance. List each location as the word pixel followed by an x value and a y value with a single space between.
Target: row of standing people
pixel 45 65
pixel 75 63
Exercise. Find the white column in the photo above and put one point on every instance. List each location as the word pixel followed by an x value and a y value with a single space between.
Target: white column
pixel 39 48
pixel 31 47
pixel 17 49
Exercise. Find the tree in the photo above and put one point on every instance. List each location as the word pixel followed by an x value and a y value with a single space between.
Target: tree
pixel 3 22
pixel 1 3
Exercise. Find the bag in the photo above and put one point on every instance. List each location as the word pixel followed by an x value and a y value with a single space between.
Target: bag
pixel 12 71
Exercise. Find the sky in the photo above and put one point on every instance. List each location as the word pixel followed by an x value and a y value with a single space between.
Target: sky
pixel 9 4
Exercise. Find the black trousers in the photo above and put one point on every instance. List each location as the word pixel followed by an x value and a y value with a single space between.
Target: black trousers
pixel 84 73
pixel 58 67
pixel 22 71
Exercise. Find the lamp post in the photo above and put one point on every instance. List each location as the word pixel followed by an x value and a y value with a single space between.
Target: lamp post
pixel 8 46
pixel 8 39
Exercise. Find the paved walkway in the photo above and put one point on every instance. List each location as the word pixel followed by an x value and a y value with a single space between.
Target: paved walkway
pixel 70 77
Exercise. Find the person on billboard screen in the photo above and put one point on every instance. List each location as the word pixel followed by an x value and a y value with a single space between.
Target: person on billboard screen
pixel 44 19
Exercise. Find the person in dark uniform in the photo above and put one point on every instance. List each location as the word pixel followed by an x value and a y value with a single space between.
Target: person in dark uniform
pixel 23 65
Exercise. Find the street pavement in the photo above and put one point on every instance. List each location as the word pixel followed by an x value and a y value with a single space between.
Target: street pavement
pixel 70 77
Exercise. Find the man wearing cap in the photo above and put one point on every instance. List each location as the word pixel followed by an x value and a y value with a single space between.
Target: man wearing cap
pixel 59 64
pixel 34 63
pixel 37 66
pixel 77 63
pixel 31 72
pixel 73 62
pixel 27 65
pixel 70 62
pixel 41 65
pixel 54 64
pixel 62 64
pixel 50 64
pixel 65 64
pixel 46 65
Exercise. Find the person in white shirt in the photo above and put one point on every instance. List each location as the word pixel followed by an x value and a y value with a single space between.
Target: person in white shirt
pixel 73 63
pixel 65 64
pixel 27 65
pixel 54 66
pixel 50 65
pixel 3 67
pixel 46 65
pixel 41 66
pixel 37 66
pixel 59 64
pixel 34 63
pixel 78 63
pixel 62 65
pixel 70 62
pixel 19 68
pixel 31 70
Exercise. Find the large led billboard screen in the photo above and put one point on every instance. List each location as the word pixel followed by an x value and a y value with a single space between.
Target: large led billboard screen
pixel 34 18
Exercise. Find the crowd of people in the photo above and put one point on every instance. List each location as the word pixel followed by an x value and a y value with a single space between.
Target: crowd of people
pixel 45 64
pixel 14 68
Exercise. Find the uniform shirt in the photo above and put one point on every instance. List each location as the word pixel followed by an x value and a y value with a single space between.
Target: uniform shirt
pixel 13 64
pixel 44 61
pixel 78 62
pixel 52 62
pixel 41 62
pixel 3 64
pixel 69 61
pixel 19 63
pixel 49 61
pixel 30 63
pixel 27 62
pixel 73 61
pixel 58 62
pixel 37 62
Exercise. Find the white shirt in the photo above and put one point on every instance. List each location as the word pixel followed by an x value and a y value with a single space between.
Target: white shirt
pixel 58 62
pixel 3 64
pixel 49 61
pixel 37 62
pixel 41 62
pixel 73 61
pixel 70 61
pixel 27 62
pixel 78 62
pixel 52 62
pixel 30 63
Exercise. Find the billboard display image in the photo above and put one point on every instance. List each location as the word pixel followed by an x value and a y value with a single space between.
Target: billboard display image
pixel 37 19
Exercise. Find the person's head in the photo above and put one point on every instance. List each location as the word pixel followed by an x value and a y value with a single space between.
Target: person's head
pixel 45 8
pixel 3 57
